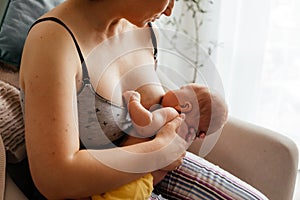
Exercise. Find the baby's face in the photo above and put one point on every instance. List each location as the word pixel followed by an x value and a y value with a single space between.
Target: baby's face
pixel 180 99
pixel 184 101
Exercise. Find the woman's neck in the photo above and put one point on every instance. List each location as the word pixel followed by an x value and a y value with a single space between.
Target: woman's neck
pixel 101 17
pixel 92 21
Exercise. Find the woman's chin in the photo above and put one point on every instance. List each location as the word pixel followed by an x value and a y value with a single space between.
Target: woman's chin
pixel 145 23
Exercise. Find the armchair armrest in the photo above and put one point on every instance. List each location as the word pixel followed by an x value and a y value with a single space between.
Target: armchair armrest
pixel 12 192
pixel 263 158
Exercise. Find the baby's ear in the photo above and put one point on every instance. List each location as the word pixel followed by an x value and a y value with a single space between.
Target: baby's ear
pixel 185 107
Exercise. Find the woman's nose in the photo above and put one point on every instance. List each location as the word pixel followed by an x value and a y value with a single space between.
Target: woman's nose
pixel 169 9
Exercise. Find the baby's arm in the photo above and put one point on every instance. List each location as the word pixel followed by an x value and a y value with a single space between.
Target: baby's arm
pixel 145 122
pixel 138 114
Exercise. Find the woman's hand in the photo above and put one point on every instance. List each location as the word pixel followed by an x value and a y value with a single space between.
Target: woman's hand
pixel 169 131
pixel 173 146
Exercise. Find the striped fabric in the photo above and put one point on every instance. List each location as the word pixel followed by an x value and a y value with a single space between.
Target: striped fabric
pixel 197 179
pixel 156 197
pixel 11 123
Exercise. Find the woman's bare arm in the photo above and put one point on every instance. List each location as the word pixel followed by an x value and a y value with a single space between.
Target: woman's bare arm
pixel 59 169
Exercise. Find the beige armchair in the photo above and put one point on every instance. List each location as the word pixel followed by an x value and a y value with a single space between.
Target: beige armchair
pixel 265 159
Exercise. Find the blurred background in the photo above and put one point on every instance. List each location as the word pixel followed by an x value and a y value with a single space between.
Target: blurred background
pixel 255 47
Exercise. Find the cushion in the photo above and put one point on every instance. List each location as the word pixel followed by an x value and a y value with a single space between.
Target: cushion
pixel 11 123
pixel 18 15
pixel 3 6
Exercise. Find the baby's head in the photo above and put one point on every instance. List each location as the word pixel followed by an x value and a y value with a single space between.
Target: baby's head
pixel 205 111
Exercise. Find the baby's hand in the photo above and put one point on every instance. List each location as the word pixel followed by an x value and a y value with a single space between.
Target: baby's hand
pixel 187 133
pixel 131 95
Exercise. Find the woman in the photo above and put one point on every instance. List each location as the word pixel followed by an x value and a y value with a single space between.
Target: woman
pixel 55 81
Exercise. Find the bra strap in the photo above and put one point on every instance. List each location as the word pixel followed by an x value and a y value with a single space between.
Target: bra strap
pixel 85 74
pixel 154 42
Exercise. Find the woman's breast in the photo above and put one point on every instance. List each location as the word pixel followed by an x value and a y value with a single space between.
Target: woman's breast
pixel 134 71
pixel 100 121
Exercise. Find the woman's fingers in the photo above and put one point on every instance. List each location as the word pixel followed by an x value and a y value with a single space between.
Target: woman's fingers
pixel 175 124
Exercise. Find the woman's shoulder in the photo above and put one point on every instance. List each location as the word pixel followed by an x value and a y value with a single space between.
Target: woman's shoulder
pixel 48 49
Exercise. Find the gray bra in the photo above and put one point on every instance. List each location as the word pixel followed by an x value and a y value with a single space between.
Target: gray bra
pixel 101 123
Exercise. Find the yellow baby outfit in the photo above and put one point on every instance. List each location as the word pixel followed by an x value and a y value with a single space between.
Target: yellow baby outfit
pixel 137 190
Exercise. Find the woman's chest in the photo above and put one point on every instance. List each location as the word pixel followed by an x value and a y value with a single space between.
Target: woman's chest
pixel 131 71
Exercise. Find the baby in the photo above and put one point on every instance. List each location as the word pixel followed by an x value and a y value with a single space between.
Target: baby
pixel 205 113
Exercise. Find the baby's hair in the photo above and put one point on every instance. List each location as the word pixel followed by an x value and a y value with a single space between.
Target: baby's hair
pixel 213 109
